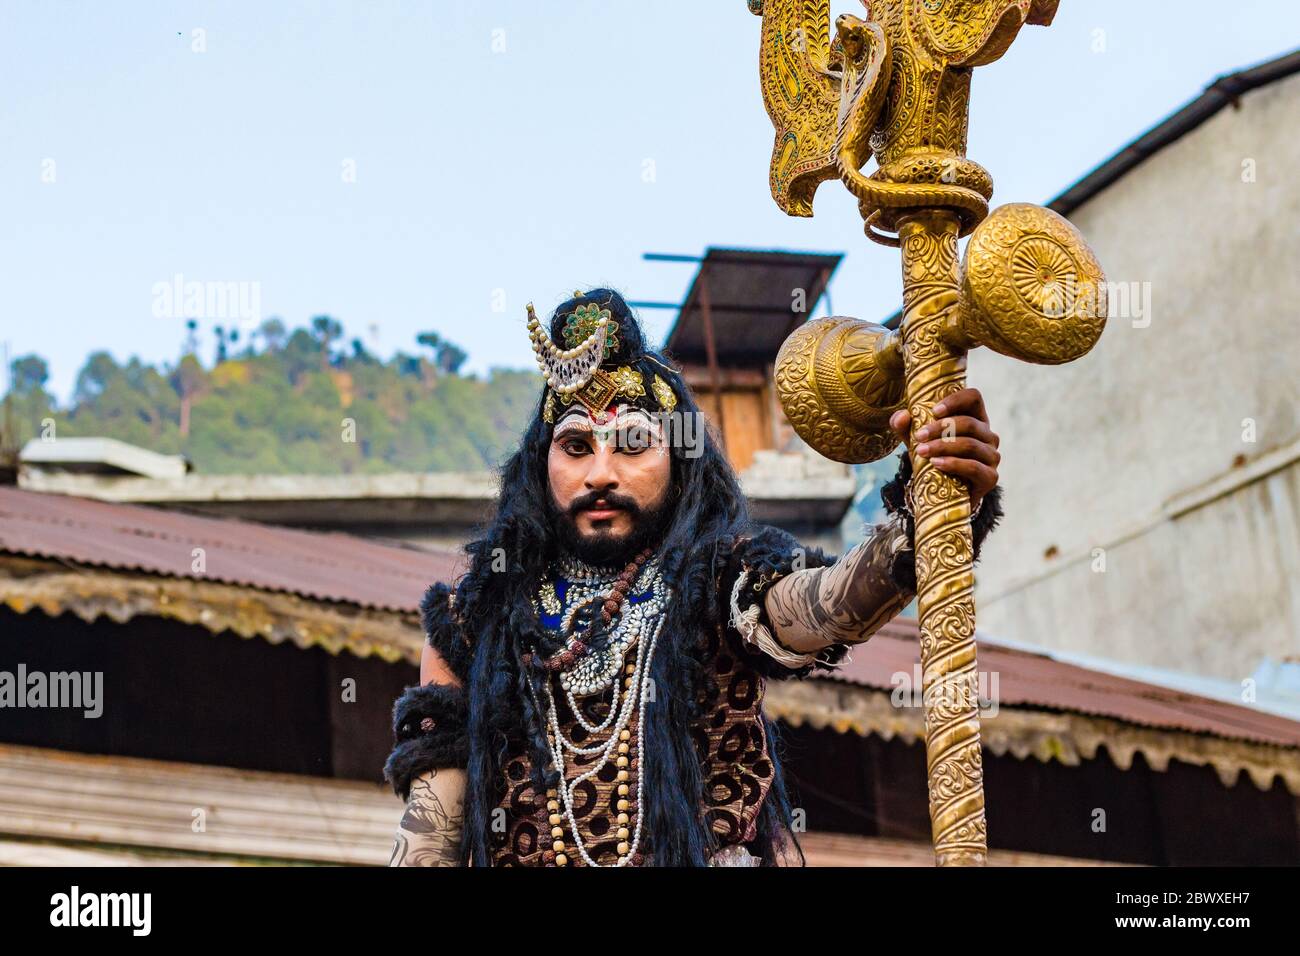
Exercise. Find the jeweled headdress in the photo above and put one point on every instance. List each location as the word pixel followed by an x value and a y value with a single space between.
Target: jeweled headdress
pixel 568 370
pixel 604 360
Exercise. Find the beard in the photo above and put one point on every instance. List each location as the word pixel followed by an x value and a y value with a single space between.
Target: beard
pixel 603 548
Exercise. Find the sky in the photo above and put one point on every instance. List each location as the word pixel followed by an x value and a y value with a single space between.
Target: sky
pixel 434 165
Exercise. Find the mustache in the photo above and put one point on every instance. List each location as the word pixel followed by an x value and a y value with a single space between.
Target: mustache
pixel 612 499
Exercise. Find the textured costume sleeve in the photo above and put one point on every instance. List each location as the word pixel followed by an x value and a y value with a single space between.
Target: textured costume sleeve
pixel 753 563
pixel 834 609
pixel 429 722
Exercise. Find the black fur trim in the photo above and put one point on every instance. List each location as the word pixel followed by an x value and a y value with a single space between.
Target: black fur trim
pixel 442 630
pixel 417 750
pixel 892 495
pixel 769 554
pixel 988 518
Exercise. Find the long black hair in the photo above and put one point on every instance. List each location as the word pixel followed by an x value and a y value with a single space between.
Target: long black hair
pixel 498 616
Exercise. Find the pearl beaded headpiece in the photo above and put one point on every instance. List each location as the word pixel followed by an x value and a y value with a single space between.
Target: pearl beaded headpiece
pixel 593 352
pixel 568 370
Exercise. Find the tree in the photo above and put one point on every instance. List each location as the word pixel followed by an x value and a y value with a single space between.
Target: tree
pixel 28 404
pixel 28 374
pixel 272 331
pixel 359 353
pixel 94 377
pixel 221 343
pixel 189 380
pixel 447 356
pixel 276 411
pixel 326 330
pixel 428 369
pixel 451 358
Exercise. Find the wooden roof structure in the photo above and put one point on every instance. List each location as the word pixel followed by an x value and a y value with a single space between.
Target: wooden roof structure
pixel 744 302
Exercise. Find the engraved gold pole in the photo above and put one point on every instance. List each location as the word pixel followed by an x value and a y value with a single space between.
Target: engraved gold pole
pixel 894 88
pixel 944 577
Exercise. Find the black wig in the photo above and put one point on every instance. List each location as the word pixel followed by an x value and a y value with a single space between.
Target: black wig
pixel 499 620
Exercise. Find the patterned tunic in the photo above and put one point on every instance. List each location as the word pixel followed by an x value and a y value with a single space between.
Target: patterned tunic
pixel 730 736
pixel 737 651
pixel 730 741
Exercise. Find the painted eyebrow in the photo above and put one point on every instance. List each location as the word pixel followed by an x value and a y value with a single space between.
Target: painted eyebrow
pixel 584 430
pixel 575 420
pixel 573 426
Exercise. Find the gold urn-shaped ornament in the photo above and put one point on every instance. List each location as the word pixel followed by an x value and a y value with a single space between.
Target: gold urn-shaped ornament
pixel 1030 289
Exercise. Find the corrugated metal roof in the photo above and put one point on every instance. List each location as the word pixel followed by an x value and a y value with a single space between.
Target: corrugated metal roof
pixel 1026 679
pixel 343 568
pixel 328 567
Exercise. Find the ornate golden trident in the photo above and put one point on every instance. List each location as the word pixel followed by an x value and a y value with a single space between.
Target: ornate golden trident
pixel 896 86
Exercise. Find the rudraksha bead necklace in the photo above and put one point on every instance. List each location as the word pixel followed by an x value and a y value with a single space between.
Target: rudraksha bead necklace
pixel 632 634
pixel 631 698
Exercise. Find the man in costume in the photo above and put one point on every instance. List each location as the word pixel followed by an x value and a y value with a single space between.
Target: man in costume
pixel 591 690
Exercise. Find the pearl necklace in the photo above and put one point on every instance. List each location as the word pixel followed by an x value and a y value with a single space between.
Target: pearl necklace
pixel 595 671
pixel 637 630
pixel 635 698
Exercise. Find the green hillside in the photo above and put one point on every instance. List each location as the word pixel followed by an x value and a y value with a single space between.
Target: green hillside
pixel 289 401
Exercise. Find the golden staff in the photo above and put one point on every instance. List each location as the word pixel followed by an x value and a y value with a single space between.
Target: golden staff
pixel 896 87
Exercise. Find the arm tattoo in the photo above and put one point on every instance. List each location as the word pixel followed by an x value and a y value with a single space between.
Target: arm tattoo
pixel 430 831
pixel 842 604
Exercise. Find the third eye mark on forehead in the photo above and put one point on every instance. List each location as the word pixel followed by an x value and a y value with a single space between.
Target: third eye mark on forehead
pixel 635 430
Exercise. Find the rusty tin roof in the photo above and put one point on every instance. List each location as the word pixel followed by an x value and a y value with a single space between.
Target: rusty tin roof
pixel 1037 680
pixel 324 566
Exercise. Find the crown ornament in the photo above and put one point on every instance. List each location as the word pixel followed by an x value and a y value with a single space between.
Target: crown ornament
pixel 569 370
pixel 581 325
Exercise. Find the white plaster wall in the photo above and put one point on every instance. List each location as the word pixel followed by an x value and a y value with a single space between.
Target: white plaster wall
pixel 1094 451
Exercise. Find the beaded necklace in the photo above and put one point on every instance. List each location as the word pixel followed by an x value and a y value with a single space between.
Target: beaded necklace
pixel 632 606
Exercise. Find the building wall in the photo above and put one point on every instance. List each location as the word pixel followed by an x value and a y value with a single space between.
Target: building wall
pixel 176 692
pixel 1142 449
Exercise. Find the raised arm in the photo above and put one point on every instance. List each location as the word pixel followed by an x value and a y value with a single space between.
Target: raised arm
pixel 844 603
pixel 850 600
